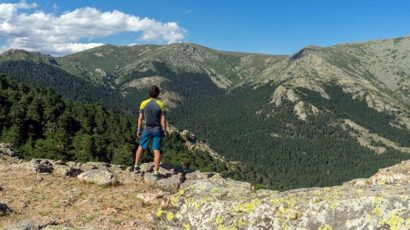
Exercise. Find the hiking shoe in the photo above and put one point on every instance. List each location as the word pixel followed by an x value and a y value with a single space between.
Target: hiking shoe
pixel 137 169
pixel 157 176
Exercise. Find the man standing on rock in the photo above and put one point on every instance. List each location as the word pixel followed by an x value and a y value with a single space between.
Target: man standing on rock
pixel 152 114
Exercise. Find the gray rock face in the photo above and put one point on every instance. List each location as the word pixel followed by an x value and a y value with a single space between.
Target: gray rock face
pixel 379 202
pixel 99 177
pixel 4 209
pixel 24 225
pixel 6 149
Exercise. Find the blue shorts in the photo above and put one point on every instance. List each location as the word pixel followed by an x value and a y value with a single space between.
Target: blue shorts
pixel 156 137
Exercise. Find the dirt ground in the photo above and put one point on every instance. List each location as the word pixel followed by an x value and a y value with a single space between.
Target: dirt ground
pixel 65 201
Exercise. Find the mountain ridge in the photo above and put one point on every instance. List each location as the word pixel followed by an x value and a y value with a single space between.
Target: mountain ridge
pixel 266 106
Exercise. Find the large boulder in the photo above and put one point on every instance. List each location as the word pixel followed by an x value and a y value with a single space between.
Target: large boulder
pixel 165 182
pixel 63 169
pixel 5 210
pixel 99 177
pixel 38 165
pixel 380 202
pixel 170 177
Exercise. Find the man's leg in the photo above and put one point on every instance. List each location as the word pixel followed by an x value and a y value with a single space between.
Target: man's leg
pixel 157 139
pixel 157 159
pixel 144 140
pixel 138 155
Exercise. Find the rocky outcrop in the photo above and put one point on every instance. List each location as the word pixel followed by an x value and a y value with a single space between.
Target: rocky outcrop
pixel 7 149
pixel 382 202
pixel 99 177
pixel 371 140
pixel 196 200
pixel 302 110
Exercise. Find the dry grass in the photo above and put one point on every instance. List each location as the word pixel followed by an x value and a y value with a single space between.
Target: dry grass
pixel 72 203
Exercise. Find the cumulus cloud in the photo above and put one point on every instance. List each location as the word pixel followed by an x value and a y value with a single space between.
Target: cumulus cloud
pixel 62 34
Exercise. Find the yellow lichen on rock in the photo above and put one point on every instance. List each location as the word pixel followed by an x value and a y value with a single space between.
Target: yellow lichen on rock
pixel 186 226
pixel 325 227
pixel 247 207
pixel 170 216
pixel 377 211
pixel 221 227
pixel 394 221
pixel 159 212
pixel 219 219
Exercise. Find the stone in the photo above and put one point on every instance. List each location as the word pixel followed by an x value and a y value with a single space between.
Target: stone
pixel 5 210
pixel 146 167
pixel 24 225
pixel 73 164
pixel 379 202
pixel 170 183
pixel 197 175
pixel 38 165
pixel 151 197
pixel 94 165
pixel 118 168
pixel 7 149
pixel 99 177
pixel 66 170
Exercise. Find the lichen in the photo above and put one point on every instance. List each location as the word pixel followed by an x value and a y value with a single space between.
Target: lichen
pixel 176 197
pixel 377 211
pixel 247 207
pixel 170 216
pixel 241 223
pixel 326 227
pixel 394 221
pixel 230 227
pixel 377 200
pixel 186 226
pixel 159 212
pixel 219 219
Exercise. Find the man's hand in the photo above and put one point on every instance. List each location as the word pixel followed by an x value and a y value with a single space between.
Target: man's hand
pixel 139 134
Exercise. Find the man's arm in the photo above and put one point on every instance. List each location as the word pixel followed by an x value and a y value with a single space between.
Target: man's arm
pixel 139 124
pixel 164 124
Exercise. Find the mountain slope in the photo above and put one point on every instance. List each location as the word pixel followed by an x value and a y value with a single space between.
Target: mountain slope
pixel 279 114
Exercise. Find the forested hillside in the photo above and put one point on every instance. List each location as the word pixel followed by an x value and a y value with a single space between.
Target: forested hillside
pixel 289 152
pixel 41 124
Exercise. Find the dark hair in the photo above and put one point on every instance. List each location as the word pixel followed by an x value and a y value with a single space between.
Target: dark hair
pixel 153 91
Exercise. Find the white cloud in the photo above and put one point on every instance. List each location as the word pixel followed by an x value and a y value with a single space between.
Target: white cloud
pixel 61 34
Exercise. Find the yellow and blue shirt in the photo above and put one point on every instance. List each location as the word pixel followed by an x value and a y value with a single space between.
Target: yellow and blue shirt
pixel 152 109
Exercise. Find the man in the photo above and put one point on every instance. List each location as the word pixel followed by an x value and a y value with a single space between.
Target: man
pixel 152 113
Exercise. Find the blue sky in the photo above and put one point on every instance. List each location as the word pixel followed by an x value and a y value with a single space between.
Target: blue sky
pixel 274 27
